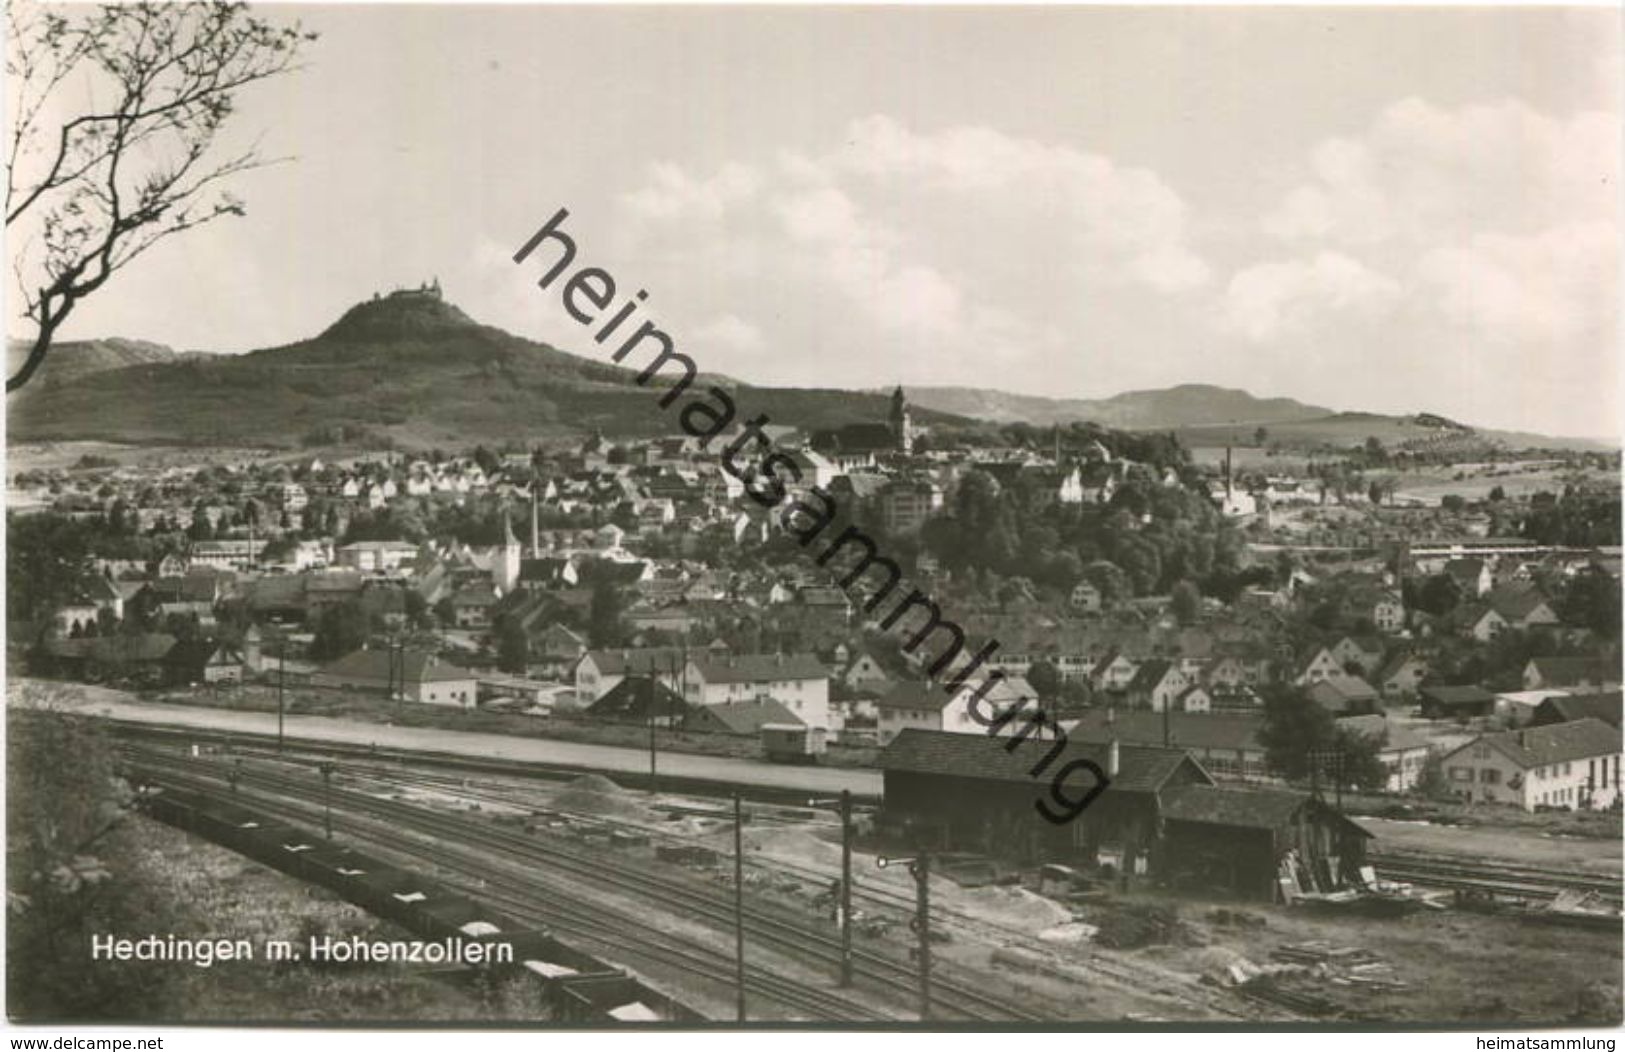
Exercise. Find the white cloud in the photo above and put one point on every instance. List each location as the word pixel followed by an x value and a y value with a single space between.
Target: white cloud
pixel 672 194
pixel 727 332
pixel 1269 300
pixel 1558 285
pixel 1421 175
pixel 1485 237
pixel 904 254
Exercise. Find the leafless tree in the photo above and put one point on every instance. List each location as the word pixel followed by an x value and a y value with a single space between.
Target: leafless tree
pixel 116 112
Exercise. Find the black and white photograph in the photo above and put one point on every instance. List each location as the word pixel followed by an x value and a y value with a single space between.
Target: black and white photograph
pixel 790 517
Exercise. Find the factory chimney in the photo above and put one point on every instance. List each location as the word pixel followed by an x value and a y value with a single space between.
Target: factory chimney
pixel 1111 743
pixel 535 524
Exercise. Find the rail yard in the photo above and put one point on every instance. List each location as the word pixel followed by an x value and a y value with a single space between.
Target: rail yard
pixel 637 889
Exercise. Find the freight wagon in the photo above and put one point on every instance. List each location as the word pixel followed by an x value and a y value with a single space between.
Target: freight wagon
pixel 580 988
pixel 792 742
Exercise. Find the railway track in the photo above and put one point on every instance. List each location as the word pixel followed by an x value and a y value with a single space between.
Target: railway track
pixel 763 928
pixel 525 901
pixel 1126 973
pixel 1511 880
pixel 1130 974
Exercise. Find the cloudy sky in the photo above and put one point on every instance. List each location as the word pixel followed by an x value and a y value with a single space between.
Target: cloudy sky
pixel 1393 210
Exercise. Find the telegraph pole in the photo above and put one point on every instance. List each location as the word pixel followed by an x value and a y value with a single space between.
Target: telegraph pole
pixel 281 675
pixel 653 692
pixel 846 887
pixel 846 881
pixel 739 901
pixel 921 869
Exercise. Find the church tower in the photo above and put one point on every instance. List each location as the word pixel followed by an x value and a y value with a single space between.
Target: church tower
pixel 902 428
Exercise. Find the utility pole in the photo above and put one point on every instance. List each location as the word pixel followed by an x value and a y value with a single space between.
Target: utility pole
pixel 653 693
pixel 281 676
pixel 739 900
pixel 846 881
pixel 846 887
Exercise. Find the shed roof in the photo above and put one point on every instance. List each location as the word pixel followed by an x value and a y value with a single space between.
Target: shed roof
pixel 1141 768
pixel 1245 808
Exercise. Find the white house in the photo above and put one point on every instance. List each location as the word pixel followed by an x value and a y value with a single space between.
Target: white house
pixel 799 681
pixel 601 671
pixel 930 706
pixel 416 676
pixel 1573 765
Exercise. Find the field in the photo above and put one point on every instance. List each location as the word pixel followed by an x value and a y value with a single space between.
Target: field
pixel 1425 486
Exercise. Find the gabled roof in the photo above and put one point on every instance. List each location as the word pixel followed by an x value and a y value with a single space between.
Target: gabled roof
pixel 638 660
pixel 1242 807
pixel 196 653
pixel 749 717
pixel 1343 688
pixel 1149 674
pixel 415 667
pixel 1517 604
pixel 94 588
pixel 1465 694
pixel 1604 707
pixel 1141 768
pixel 914 694
pixel 1364 646
pixel 1394 664
pixel 758 668
pixel 630 698
pixel 1554 743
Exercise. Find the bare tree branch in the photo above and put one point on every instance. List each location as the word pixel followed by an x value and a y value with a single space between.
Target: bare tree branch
pixel 104 183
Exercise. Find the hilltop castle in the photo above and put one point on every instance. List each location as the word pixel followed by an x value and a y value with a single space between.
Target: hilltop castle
pixel 429 290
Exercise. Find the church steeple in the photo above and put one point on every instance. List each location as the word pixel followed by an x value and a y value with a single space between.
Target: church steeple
pixel 902 428
pixel 508 563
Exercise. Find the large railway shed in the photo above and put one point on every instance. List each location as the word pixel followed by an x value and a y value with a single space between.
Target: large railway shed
pixel 1161 816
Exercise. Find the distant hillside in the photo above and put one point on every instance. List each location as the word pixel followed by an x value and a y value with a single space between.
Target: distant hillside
pixel 1424 431
pixel 410 367
pixel 76 358
pixel 1173 407
pixel 1205 415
